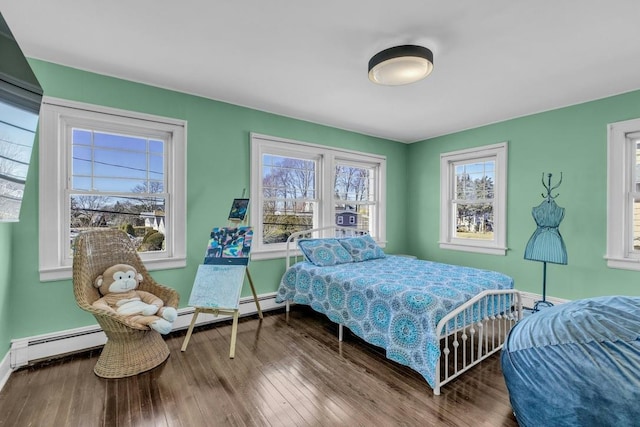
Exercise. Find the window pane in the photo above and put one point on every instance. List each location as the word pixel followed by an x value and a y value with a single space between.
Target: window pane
pixel 354 215
pixel 636 225
pixel 288 186
pixel 81 160
pixel 475 181
pixel 474 221
pixel 637 167
pixel 123 164
pixel 104 162
pixel 15 152
pixel 156 146
pixel 288 178
pixel 116 163
pixel 142 218
pixel 121 185
pixel 353 183
pixel 282 218
pixel 17 131
pixel 119 142
pixel 635 222
pixel 156 167
pixel 82 136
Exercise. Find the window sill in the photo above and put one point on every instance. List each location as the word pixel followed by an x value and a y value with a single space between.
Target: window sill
pixel 263 255
pixel 623 263
pixel 475 249
pixel 66 272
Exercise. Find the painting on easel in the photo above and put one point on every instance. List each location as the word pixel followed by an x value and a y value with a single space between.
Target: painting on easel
pixel 218 283
pixel 238 210
pixel 229 245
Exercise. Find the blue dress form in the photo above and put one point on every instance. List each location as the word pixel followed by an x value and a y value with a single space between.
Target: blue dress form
pixel 546 244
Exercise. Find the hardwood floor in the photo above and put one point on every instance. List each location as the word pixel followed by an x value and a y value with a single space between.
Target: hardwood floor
pixel 287 372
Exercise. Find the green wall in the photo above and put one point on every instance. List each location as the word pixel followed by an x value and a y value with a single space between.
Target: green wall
pixel 570 140
pixel 218 170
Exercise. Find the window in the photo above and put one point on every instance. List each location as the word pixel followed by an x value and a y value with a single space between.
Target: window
pixel 19 111
pixel 110 168
pixel 473 191
pixel 297 186
pixel 623 195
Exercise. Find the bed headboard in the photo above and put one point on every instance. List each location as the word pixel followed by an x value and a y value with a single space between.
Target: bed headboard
pixel 294 255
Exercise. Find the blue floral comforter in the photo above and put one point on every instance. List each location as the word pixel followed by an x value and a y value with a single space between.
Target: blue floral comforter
pixel 393 302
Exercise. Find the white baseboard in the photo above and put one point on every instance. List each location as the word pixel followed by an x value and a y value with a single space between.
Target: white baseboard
pixel 29 349
pixel 529 299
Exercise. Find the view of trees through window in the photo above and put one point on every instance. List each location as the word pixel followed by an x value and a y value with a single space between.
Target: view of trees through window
pixel 118 182
pixel 474 200
pixel 289 196
pixel 17 130
pixel 636 198
pixel 353 196
pixel 291 200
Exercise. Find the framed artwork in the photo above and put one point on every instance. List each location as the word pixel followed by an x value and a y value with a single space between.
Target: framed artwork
pixel 229 245
pixel 238 209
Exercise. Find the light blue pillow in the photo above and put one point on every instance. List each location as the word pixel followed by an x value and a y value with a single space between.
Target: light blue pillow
pixel 362 248
pixel 324 252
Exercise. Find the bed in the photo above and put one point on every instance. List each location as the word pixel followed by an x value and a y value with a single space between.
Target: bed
pixel 576 364
pixel 438 319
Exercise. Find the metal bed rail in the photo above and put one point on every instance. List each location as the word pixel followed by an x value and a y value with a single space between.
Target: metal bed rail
pixel 474 331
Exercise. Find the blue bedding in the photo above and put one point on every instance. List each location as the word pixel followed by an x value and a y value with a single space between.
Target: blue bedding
pixel 392 302
pixel 576 364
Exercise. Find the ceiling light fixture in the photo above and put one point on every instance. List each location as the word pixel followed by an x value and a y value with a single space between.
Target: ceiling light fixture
pixel 400 65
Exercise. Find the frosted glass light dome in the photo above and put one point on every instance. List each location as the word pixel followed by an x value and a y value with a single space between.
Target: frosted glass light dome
pixel 401 65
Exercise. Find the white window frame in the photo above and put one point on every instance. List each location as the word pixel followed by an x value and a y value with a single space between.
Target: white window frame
pixel 620 188
pixel 56 117
pixel 497 246
pixel 327 159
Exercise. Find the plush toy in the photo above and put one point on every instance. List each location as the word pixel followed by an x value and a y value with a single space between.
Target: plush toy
pixel 118 284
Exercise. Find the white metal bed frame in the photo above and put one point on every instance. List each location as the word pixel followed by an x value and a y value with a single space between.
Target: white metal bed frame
pixel 468 335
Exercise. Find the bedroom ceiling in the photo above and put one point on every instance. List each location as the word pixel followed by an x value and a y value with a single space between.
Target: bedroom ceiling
pixel 494 59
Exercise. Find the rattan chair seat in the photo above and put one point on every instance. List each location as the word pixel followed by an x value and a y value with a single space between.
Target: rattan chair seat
pixel 130 348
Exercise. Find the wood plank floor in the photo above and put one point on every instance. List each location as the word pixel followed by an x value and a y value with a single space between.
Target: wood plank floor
pixel 288 371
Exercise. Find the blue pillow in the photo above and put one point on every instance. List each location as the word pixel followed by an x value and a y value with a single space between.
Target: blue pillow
pixel 362 248
pixel 324 252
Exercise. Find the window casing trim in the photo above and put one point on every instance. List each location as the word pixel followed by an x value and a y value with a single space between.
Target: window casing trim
pixel 620 183
pixel 327 158
pixel 498 246
pixel 56 116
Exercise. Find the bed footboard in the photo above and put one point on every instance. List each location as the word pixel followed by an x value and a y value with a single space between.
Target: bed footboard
pixel 474 331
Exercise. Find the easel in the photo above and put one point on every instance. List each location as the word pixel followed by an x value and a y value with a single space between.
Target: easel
pixel 227 278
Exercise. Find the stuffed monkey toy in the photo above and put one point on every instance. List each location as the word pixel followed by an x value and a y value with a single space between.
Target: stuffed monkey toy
pixel 118 287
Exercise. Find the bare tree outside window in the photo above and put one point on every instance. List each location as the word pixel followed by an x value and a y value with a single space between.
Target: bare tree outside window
pixel 289 196
pixel 119 183
pixel 353 197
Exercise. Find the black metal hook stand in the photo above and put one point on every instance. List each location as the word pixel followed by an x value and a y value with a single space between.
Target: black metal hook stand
pixel 543 302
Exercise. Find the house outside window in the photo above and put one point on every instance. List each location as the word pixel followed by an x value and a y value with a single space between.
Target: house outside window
pixel 298 186
pixel 114 169
pixel 473 199
pixel 623 195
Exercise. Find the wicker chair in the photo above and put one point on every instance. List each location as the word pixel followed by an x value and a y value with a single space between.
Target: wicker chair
pixel 130 349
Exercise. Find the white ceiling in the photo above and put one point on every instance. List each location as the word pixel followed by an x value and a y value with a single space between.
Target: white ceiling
pixel 494 59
